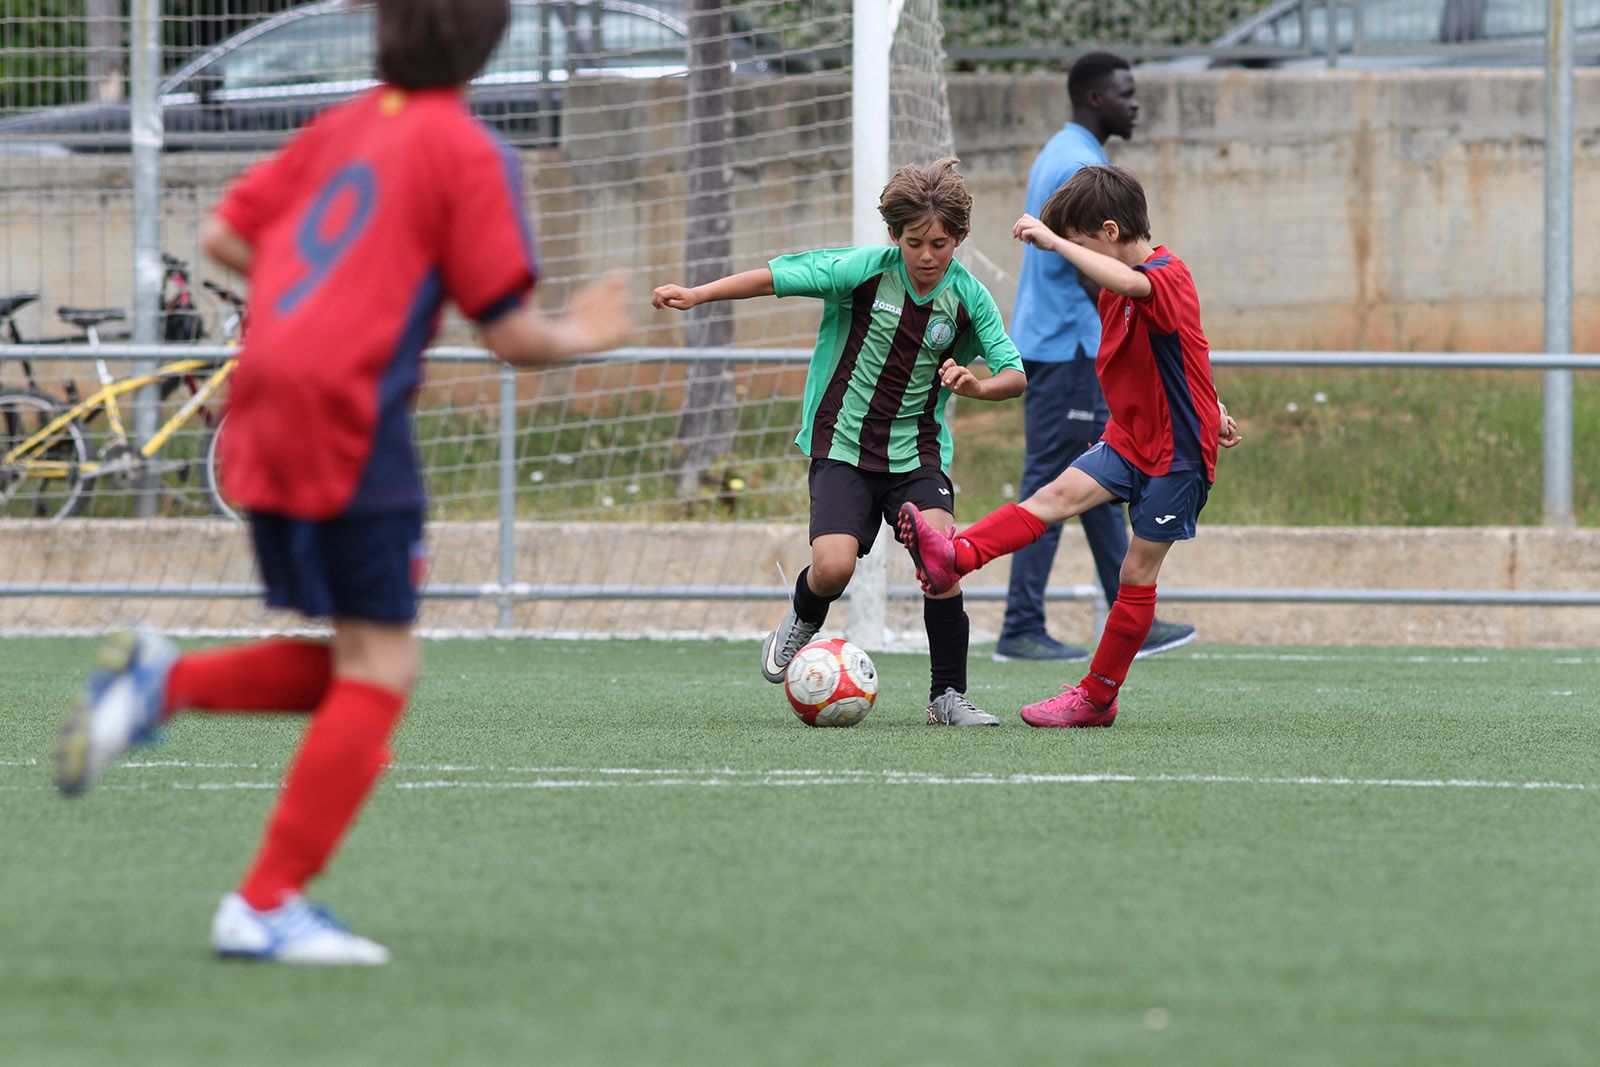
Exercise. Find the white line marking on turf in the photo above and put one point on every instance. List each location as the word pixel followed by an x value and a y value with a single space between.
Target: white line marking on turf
pixel 637 777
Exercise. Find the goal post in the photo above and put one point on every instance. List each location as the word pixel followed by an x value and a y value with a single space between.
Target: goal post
pixel 872 35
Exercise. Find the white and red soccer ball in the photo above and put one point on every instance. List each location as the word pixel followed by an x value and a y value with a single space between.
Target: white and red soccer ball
pixel 831 683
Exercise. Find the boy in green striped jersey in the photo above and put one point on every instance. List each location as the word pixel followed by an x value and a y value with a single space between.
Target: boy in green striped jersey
pixel 900 324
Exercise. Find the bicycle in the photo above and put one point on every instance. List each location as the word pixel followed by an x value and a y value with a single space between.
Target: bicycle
pixel 47 465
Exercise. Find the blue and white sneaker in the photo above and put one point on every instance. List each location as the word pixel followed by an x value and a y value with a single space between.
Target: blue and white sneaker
pixel 296 931
pixel 120 707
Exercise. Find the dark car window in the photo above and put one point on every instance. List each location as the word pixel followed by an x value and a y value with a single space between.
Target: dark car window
pixel 534 38
pixel 332 46
pixel 1386 23
pixel 635 44
pixel 1525 18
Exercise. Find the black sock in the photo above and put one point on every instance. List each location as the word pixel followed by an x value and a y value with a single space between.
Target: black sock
pixel 808 606
pixel 948 629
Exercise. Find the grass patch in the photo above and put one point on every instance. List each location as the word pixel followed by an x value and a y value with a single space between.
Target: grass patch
pixel 1345 447
pixel 580 859
pixel 1322 448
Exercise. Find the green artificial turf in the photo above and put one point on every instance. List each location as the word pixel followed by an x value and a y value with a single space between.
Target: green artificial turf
pixel 626 852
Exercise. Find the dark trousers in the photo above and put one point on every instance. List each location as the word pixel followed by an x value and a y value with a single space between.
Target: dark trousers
pixel 1056 393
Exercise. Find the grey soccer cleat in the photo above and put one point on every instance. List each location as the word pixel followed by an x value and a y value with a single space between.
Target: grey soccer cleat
pixel 954 709
pixel 789 637
pixel 1164 636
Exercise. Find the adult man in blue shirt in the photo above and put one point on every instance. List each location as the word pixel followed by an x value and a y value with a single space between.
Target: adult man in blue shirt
pixel 1056 327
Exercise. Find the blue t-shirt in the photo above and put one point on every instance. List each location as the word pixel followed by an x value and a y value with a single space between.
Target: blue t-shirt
pixel 1053 317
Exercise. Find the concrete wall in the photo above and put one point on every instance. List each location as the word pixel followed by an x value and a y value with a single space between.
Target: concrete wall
pixel 1329 209
pixel 1318 209
pixel 186 552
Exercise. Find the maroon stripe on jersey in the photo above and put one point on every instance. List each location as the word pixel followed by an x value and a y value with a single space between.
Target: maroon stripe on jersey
pixel 827 417
pixel 890 391
pixel 928 422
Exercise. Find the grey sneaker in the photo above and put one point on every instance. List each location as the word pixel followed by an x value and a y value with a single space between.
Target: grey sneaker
pixel 1164 636
pixel 1037 647
pixel 954 709
pixel 789 637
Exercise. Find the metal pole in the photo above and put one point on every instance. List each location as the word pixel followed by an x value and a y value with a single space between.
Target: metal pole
pixel 147 135
pixel 1558 262
pixel 872 34
pixel 1332 38
pixel 508 492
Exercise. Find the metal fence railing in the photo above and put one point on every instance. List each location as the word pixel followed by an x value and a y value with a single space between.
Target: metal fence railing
pixel 504 587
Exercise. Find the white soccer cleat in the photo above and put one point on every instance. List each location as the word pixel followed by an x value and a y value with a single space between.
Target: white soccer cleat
pixel 296 931
pixel 120 707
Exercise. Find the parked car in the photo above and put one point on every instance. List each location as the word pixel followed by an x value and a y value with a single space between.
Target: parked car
pixel 1393 33
pixel 248 91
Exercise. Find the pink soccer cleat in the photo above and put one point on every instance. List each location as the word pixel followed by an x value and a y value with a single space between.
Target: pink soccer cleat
pixel 934 553
pixel 1071 708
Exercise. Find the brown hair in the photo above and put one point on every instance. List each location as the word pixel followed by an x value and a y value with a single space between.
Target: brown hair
pixel 431 44
pixel 934 191
pixel 1095 194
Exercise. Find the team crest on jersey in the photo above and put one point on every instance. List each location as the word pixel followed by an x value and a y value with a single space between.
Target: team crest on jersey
pixel 941 331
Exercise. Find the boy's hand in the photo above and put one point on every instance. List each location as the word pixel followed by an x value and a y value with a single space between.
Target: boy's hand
pixel 1228 432
pixel 960 380
pixel 597 314
pixel 673 296
pixel 1030 230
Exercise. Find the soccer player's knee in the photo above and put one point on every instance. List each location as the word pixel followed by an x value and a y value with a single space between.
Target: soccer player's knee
pixel 1052 503
pixel 830 574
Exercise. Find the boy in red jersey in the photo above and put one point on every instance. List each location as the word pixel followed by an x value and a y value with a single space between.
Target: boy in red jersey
pixel 352 236
pixel 1159 450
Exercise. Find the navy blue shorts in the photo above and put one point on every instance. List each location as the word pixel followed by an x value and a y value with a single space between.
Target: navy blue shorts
pixel 846 499
pixel 1161 509
pixel 359 567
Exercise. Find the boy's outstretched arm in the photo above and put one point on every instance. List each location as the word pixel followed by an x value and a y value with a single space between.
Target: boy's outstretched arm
pixel 962 382
pixel 1101 269
pixel 734 287
pixel 595 319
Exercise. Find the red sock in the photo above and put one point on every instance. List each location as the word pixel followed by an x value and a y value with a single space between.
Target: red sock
pixel 342 754
pixel 275 675
pixel 997 533
pixel 1126 628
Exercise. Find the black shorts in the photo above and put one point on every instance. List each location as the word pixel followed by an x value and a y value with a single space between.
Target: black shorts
pixel 358 567
pixel 849 500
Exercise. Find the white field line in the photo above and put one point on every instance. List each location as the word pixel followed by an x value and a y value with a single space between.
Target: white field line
pixel 726 777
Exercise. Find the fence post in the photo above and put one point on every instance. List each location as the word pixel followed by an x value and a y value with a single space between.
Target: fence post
pixel 1558 262
pixel 508 491
pixel 872 34
pixel 147 135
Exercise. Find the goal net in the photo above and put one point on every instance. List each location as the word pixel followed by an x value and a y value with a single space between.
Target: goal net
pixel 655 491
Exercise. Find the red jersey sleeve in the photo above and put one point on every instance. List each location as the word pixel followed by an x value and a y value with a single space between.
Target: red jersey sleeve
pixel 489 262
pixel 265 190
pixel 1171 292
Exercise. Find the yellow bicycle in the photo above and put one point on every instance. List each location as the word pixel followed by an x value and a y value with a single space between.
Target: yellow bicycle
pixel 48 466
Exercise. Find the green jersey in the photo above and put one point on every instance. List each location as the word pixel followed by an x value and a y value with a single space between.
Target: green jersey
pixel 873 397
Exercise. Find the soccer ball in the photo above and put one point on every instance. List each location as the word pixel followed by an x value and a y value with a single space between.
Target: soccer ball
pixel 831 683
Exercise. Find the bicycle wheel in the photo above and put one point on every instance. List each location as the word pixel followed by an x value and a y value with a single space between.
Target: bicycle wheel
pixel 40 477
pixel 213 472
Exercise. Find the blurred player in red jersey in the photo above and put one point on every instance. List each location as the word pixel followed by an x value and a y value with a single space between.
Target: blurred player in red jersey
pixel 353 236
pixel 1159 450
